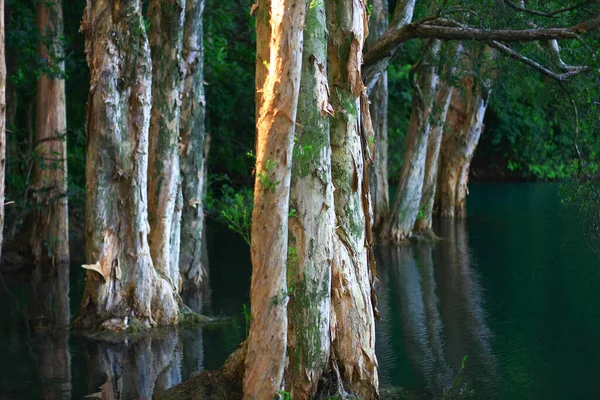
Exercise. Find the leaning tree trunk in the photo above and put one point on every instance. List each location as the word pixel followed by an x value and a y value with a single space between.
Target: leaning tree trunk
pixel 405 210
pixel 2 119
pixel 353 269
pixel 192 154
pixel 267 341
pixel 312 219
pixel 49 235
pixel 378 173
pixel 166 40
pixel 122 287
pixel 464 124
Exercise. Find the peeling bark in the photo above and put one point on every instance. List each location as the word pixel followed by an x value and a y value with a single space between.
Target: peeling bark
pixel 353 270
pixel 267 341
pixel 311 224
pixel 194 149
pixel 49 233
pixel 2 119
pixel 166 40
pixel 122 285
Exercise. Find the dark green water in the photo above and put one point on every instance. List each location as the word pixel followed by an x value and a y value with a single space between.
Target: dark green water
pixel 514 287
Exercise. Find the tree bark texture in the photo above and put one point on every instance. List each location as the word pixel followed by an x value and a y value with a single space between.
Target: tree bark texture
pixel 267 341
pixel 122 286
pixel 441 105
pixel 405 209
pixel 379 110
pixel 166 39
pixel 49 235
pixel 2 119
pixel 464 124
pixel 353 269
pixel 312 219
pixel 193 151
pixel 263 50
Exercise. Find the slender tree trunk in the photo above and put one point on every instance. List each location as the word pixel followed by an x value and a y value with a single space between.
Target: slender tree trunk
pixel 464 123
pixel 263 50
pixel 405 210
pixel 122 286
pixel 49 236
pixel 267 341
pixel 2 119
pixel 312 220
pixel 166 40
pixel 353 269
pixel 379 110
pixel 193 154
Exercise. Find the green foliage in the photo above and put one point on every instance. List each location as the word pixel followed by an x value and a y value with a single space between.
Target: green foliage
pixel 459 389
pixel 234 209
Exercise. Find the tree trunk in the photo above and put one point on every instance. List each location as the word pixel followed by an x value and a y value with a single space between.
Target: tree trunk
pixel 405 210
pixel 378 174
pixel 2 120
pixel 267 341
pixel 166 40
pixel 49 235
pixel 193 148
pixel 464 123
pixel 441 106
pixel 353 268
pixel 122 286
pixel 312 220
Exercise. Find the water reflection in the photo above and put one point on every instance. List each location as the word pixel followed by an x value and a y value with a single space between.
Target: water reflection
pixel 433 302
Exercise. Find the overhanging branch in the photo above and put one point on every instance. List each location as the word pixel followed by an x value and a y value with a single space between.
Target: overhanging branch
pixel 550 14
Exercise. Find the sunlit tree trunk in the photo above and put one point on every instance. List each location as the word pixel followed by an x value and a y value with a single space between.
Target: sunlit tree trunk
pixel 49 234
pixel 312 219
pixel 193 154
pixel 378 174
pixel 122 286
pixel 2 119
pixel 267 341
pixel 166 39
pixel 353 269
pixel 405 209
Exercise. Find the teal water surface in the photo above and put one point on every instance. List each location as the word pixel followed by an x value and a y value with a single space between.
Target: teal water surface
pixel 514 287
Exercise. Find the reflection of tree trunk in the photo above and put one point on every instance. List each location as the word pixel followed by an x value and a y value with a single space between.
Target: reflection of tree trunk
pixel 139 369
pixel 122 285
pixel 2 118
pixel 378 174
pixel 49 235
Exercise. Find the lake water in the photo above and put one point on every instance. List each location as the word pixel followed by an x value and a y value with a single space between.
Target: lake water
pixel 514 287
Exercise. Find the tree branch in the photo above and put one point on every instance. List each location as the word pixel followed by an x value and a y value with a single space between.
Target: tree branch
pixel 550 14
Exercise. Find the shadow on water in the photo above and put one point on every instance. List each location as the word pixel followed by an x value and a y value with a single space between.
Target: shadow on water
pixel 432 316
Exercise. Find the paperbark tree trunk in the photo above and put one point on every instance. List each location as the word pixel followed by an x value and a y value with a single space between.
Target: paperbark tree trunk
pixel 193 149
pixel 122 286
pixel 166 40
pixel 49 233
pixel 464 124
pixel 353 269
pixel 406 205
pixel 267 341
pixel 379 110
pixel 312 219
pixel 2 120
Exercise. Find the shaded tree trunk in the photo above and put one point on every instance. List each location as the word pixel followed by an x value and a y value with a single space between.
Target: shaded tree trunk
pixel 2 119
pixel 405 209
pixel 378 174
pixel 122 286
pixel 49 233
pixel 353 268
pixel 267 341
pixel 164 214
pixel 312 220
pixel 194 149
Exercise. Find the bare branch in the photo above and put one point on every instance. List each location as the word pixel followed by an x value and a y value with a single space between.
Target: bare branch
pixel 550 14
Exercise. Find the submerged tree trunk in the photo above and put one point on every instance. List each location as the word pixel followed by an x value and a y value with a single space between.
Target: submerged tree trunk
pixel 405 210
pixel 166 38
pixel 312 219
pixel 122 286
pixel 267 341
pixel 193 153
pixel 353 269
pixel 2 120
pixel 49 234
pixel 464 124
pixel 378 173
